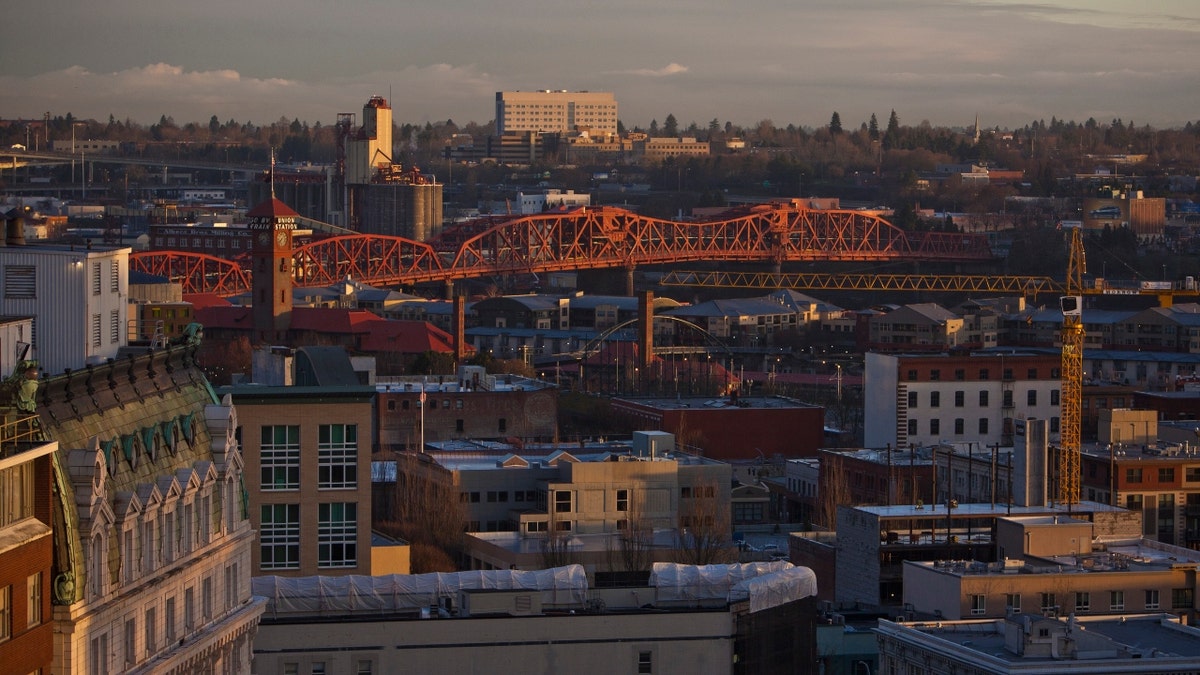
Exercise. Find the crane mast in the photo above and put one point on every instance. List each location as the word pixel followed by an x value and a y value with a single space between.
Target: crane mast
pixel 1072 372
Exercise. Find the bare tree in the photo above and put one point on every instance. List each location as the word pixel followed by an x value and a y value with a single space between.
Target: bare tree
pixel 704 533
pixel 833 489
pixel 632 548
pixel 426 511
pixel 556 547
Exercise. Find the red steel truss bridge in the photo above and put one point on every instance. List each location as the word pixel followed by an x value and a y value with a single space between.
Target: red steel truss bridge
pixel 583 238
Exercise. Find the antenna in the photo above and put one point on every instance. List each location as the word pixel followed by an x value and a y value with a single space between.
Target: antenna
pixel 272 176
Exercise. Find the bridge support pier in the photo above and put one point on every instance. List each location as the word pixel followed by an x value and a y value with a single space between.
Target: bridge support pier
pixel 448 289
pixel 629 281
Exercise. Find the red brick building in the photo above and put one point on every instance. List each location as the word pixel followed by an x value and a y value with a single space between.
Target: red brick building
pixel 26 549
pixel 751 428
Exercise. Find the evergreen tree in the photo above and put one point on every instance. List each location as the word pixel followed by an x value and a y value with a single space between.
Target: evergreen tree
pixel 873 128
pixel 835 123
pixel 670 126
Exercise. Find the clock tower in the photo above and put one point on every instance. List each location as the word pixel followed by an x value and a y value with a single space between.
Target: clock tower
pixel 271 224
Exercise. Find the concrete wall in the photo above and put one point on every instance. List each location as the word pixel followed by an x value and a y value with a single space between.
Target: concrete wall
pixel 685 642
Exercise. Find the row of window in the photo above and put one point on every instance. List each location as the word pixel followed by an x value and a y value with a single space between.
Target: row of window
pixel 1181 598
pixel 1165 475
pixel 337 457
pixel 960 397
pixel 33 606
pixel 935 426
pixel 960 374
pixel 337 536
pixel 133 652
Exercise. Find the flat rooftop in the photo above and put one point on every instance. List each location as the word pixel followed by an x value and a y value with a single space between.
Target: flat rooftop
pixel 985 509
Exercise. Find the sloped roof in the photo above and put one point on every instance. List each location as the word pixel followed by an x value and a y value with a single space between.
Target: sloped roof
pixel 272 208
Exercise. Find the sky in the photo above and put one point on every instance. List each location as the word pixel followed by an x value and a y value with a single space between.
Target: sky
pixel 789 61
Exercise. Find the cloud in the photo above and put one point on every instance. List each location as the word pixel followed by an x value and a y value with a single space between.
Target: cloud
pixel 666 71
pixel 146 93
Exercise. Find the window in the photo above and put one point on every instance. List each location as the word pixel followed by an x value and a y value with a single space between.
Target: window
pixel 960 399
pixel 1116 601
pixel 984 374
pixel 983 425
pixel 912 427
pixel 459 425
pixel 33 600
pixel 1031 374
pixel 645 662
pixel 1012 603
pixel 280 457
pixel 935 375
pixel 5 613
pixel 912 399
pixel 1055 397
pixel 1083 601
pixel 960 374
pixel 318 668
pixel 1007 399
pixel 98 654
pixel 151 630
pixel 935 426
pixel 935 399
pixel 1181 598
pixel 1049 603
pixel 622 500
pixel 1133 475
pixel 291 669
pixel 911 376
pixel 337 535
pixel 1031 397
pixel 169 620
pixel 364 667
pixel 130 642
pixel 280 536
pixel 503 425
pixel 562 501
pixel 1166 475
pixel 337 456
pixel 206 598
pixel 20 282
pixel 1191 474
pixel 959 426
pixel 16 494
pixel 189 610
pixel 1008 374
pixel 983 399
pixel 978 604
pixel 1152 599
pixel 497 496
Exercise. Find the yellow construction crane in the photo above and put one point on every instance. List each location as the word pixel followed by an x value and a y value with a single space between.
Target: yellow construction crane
pixel 1072 372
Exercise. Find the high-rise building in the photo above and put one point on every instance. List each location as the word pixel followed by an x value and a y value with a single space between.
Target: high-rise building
pixel 549 111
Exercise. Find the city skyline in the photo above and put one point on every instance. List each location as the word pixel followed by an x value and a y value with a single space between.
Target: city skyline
pixel 944 61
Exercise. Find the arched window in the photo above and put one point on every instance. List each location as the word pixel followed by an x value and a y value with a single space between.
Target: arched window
pixel 96 566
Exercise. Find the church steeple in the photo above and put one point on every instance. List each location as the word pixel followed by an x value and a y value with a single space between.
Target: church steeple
pixel 271 224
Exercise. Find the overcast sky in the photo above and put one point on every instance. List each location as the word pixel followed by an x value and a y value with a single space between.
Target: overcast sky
pixel 790 61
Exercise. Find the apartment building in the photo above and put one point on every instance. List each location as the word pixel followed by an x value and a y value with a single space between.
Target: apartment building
pixel 555 111
pixel 913 400
pixel 1055 566
pixel 307 455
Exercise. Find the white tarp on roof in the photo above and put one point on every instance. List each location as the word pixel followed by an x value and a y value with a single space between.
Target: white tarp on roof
pixel 777 588
pixel 399 592
pixel 765 584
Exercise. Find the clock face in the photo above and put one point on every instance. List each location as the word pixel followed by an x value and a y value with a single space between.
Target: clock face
pixel 264 238
pixel 281 239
